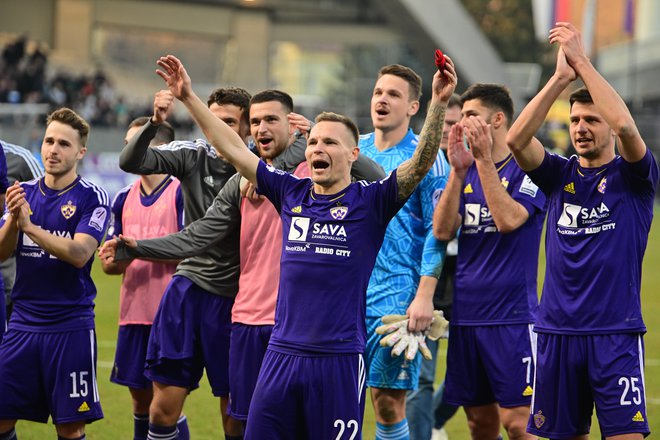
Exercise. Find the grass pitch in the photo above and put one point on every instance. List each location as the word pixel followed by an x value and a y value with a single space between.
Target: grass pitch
pixel 203 410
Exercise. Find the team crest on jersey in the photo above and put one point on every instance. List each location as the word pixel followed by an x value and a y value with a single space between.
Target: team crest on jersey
pixel 339 212
pixel 68 210
pixel 505 183
pixel 539 419
pixel 602 185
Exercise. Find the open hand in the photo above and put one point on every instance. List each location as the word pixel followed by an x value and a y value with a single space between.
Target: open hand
pixel 175 76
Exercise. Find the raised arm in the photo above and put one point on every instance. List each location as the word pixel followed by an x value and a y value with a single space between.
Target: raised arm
pixel 520 139
pixel 220 135
pixel 412 171
pixel 607 101
pixel 508 214
pixel 136 156
pixel 446 218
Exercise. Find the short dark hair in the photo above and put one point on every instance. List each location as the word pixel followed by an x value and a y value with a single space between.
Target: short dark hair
pixel 408 75
pixel 72 119
pixel 493 96
pixel 274 95
pixel 336 117
pixel 231 95
pixel 164 133
pixel 454 101
pixel 580 95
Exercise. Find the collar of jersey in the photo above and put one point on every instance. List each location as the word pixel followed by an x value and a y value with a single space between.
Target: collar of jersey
pixel 55 192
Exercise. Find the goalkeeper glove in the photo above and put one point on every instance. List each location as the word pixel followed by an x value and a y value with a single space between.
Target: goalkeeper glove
pixel 400 339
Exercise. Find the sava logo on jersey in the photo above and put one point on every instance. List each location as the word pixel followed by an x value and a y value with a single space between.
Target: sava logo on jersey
pixel 476 215
pixel 302 230
pixel 578 220
pixel 574 216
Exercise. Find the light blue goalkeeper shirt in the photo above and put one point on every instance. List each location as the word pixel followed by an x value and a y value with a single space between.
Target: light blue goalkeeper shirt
pixel 409 250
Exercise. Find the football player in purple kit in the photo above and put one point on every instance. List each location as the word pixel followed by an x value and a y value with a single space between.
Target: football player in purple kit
pixel 54 224
pixel 500 214
pixel 311 383
pixel 589 325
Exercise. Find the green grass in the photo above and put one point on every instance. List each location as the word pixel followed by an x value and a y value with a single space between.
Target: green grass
pixel 203 410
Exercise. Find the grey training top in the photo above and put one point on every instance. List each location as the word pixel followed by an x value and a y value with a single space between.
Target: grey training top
pixel 202 174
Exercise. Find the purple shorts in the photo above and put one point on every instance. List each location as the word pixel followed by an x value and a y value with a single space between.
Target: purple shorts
pixel 130 356
pixel 574 372
pixel 191 332
pixel 44 374
pixel 246 353
pixel 305 396
pixel 488 364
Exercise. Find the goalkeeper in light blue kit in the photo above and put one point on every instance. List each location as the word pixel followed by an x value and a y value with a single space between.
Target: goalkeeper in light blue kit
pixel 409 263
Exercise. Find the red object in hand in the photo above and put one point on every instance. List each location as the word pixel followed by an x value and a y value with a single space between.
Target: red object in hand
pixel 439 60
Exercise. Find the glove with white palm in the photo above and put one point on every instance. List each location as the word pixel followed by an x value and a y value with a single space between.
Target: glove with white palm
pixel 395 327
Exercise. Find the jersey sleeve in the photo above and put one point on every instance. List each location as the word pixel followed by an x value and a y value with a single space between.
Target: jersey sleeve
pixel 272 183
pixel 545 175
pixel 433 254
pixel 365 168
pixel 643 174
pixel 529 195
pixel 176 158
pixel 4 181
pixel 96 216
pixel 116 210
pixel 222 217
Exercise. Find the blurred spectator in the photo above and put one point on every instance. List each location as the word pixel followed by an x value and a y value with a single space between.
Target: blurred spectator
pixel 24 79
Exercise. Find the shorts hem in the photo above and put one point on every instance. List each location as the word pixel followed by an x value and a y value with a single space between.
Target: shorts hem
pixel 129 384
pixel 24 417
pixel 221 393
pixel 645 431
pixel 389 386
pixel 241 417
pixel 554 435
pixel 515 404
pixel 171 382
pixel 465 403
pixel 88 418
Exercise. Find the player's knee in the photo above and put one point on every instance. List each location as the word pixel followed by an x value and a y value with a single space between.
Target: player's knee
pixel 390 405
pixel 515 422
pixel 162 414
pixel 517 430
pixel 483 423
pixel 71 430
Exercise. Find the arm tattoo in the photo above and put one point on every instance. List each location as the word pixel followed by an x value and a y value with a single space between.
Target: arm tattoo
pixel 412 171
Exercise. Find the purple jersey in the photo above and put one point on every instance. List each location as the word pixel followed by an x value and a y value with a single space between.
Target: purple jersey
pixel 329 248
pixel 496 273
pixel 51 295
pixel 598 226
